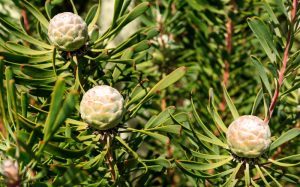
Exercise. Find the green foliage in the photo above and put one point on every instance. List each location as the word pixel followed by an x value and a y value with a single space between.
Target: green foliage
pixel 213 60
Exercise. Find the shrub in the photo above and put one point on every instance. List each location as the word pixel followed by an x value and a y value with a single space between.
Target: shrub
pixel 80 107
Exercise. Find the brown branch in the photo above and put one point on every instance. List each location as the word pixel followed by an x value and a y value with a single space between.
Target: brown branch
pixel 109 159
pixel 171 171
pixel 229 29
pixel 281 75
pixel 25 19
pixel 284 61
pixel 228 40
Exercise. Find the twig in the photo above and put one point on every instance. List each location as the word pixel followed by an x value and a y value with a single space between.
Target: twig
pixel 109 159
pixel 284 61
pixel 228 39
pixel 25 19
pixel 229 31
pixel 170 171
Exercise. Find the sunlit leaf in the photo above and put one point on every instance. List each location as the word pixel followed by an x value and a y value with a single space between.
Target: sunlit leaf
pixel 286 136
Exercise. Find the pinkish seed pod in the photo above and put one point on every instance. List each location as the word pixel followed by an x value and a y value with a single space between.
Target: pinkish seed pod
pixel 10 170
pixel 102 107
pixel 68 31
pixel 248 136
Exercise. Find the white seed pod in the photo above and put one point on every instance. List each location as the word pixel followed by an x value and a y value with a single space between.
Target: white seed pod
pixel 102 107
pixel 248 136
pixel 67 31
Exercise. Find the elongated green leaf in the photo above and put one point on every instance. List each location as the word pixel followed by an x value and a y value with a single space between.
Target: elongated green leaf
pixel 55 105
pixel 205 129
pixel 266 105
pixel 66 153
pixel 281 7
pixel 214 113
pixel 262 73
pixel 36 13
pixel 212 141
pixel 27 124
pixel 205 176
pixel 134 154
pixel 35 82
pixel 70 175
pixel 254 183
pixel 54 61
pixel 283 164
pixel 48 8
pixel 160 118
pixel 10 95
pixel 293 88
pixel 262 175
pixel 143 34
pixel 80 125
pixel 117 10
pixel 95 17
pixel 264 36
pixel 141 46
pixel 247 175
pixel 66 109
pixel 290 134
pixel 230 104
pixel 209 156
pixel 257 101
pixel 181 119
pixel 2 101
pixel 24 103
pixel 273 18
pixel 175 129
pixel 137 95
pixel 91 14
pixel 36 73
pixel 95 162
pixel 120 67
pixel 22 59
pixel 278 184
pixel 231 181
pixel 164 83
pixel 15 31
pixel 217 119
pixel 124 20
pixel 25 50
pixel 11 90
pixel 200 139
pixel 160 137
pixel 160 161
pixel 73 7
pixel 200 166
pixel 84 138
pixel 7 126
pixel 291 157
